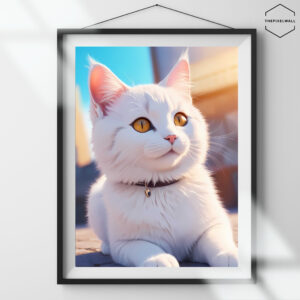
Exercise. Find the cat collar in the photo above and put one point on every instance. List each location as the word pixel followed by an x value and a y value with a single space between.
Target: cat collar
pixel 150 184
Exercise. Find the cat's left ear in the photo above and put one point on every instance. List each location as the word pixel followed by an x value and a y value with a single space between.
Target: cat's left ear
pixel 105 88
pixel 179 76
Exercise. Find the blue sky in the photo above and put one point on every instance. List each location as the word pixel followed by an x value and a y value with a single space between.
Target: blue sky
pixel 132 65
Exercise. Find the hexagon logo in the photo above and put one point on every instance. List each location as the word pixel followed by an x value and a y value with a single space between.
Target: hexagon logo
pixel 280 20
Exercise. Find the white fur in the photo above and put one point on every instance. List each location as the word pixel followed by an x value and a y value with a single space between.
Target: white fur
pixel 181 221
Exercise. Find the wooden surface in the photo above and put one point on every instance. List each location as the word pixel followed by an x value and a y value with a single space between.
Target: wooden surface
pixel 88 249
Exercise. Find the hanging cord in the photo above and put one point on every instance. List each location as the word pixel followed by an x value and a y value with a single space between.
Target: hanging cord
pixel 161 6
pixel 190 15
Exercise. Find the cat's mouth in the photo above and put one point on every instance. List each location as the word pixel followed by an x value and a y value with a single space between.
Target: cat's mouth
pixel 170 152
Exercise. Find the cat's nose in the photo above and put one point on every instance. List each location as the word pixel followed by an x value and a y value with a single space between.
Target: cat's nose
pixel 171 138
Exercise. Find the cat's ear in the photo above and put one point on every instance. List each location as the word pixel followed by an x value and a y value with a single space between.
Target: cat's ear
pixel 179 76
pixel 105 87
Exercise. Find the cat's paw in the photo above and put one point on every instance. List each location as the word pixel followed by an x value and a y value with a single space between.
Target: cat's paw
pixel 105 248
pixel 227 258
pixel 161 260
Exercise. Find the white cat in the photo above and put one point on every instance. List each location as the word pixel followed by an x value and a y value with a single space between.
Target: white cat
pixel 155 203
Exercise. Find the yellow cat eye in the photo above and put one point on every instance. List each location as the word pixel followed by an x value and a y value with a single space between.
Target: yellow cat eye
pixel 142 125
pixel 180 119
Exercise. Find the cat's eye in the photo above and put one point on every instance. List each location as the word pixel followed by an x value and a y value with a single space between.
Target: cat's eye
pixel 142 125
pixel 180 119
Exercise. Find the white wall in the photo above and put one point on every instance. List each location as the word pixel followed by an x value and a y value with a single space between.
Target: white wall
pixel 28 147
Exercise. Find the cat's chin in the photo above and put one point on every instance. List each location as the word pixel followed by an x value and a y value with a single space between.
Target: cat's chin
pixel 168 154
pixel 166 161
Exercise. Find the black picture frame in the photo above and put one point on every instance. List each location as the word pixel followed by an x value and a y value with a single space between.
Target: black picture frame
pixel 61 33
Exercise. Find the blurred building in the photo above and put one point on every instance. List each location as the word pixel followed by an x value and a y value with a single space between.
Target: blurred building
pixel 214 75
pixel 86 171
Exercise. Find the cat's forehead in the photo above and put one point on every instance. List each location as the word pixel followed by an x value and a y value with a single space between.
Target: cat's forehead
pixel 154 97
pixel 152 101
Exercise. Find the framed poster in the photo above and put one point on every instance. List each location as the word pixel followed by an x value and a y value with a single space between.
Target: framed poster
pixel 156 155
